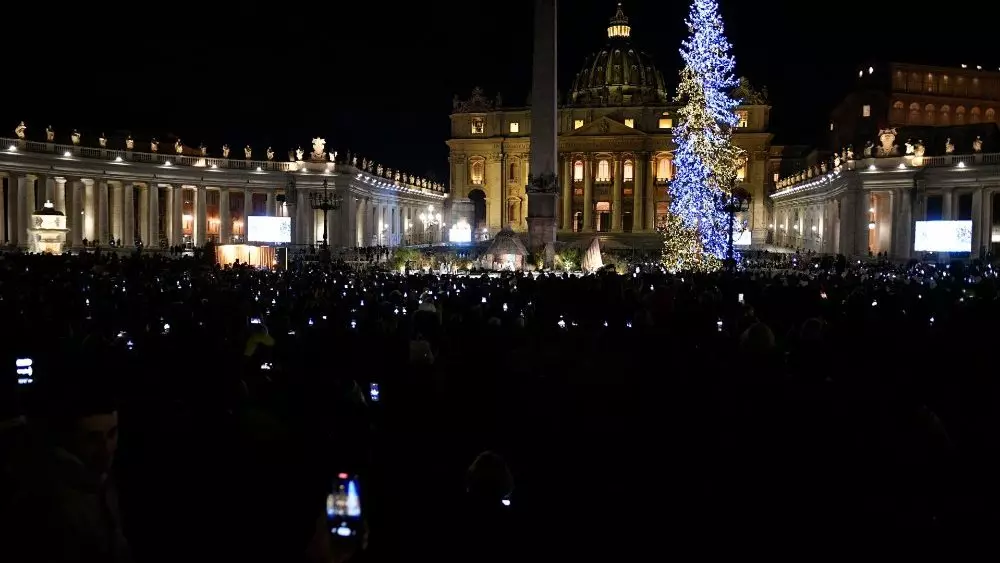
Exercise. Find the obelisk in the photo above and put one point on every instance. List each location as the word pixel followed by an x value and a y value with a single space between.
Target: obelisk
pixel 543 186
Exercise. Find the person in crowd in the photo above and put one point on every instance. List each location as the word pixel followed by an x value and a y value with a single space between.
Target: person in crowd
pixel 65 508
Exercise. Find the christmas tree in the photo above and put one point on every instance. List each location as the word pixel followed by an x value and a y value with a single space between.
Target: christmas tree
pixel 696 233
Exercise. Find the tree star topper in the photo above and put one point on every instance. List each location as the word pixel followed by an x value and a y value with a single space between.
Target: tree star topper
pixel 319 144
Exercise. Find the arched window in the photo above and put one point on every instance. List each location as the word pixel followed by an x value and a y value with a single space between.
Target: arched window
pixel 476 168
pixel 898 112
pixel 974 115
pixel 741 169
pixel 603 171
pixel 914 114
pixel 929 113
pixel 663 171
pixel 514 169
pixel 578 171
pixel 628 172
pixel 944 117
pixel 991 115
pixel 960 115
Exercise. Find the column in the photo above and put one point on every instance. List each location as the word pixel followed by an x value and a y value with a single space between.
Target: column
pixel 59 195
pixel 494 197
pixel 638 182
pixel 3 204
pixel 247 208
pixel 650 193
pixel 14 207
pixel 89 210
pixel 117 203
pixel 588 193
pixel 103 235
pixel 153 194
pixel 225 217
pixel 200 215
pixel 269 210
pixel 567 192
pixel 77 215
pixel 986 218
pixel 10 233
pixel 298 218
pixel 977 221
pixel 128 217
pixel 175 210
pixel 946 204
pixel 616 194
pixel 144 214
pixel 25 207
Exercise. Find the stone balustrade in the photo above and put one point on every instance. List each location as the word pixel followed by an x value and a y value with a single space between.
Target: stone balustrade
pixel 823 173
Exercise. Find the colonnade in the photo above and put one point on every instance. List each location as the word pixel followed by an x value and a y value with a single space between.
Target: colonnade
pixel 638 195
pixel 100 210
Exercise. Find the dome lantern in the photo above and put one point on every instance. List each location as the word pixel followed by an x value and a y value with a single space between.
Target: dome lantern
pixel 619 28
pixel 619 74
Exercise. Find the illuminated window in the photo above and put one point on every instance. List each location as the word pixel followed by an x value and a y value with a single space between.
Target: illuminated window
pixel 515 127
pixel 577 123
pixel 831 126
pixel 742 119
pixel 741 172
pixel 777 177
pixel 866 111
pixel 666 122
pixel 478 125
pixel 578 171
pixel 628 172
pixel 991 114
pixel 603 171
pixel 629 122
pixel 476 172
pixel 663 171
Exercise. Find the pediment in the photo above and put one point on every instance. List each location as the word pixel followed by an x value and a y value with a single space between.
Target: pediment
pixel 603 127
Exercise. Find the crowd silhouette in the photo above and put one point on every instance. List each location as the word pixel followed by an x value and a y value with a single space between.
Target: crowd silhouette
pixel 178 409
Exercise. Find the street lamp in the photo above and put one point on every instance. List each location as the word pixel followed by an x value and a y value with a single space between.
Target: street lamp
pixel 738 202
pixel 326 200
pixel 429 218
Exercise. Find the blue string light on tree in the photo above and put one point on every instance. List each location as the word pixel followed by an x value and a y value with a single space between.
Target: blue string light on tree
pixel 696 232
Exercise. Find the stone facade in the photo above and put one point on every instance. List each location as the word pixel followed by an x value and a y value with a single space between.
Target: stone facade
pixel 614 143
pixel 870 204
pixel 184 197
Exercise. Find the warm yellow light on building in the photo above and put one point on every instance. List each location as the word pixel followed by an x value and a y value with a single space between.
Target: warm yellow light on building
pixel 577 123
pixel 629 122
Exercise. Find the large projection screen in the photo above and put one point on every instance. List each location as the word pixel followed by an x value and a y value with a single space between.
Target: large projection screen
pixel 943 236
pixel 269 229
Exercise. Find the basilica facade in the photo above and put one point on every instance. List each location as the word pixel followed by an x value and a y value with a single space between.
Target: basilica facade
pixel 615 148
pixel 168 194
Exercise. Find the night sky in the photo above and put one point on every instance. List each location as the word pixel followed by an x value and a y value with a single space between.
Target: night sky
pixel 378 78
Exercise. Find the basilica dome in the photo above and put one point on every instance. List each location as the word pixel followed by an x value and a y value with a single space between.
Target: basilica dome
pixel 620 74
